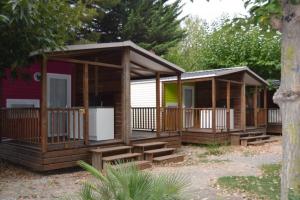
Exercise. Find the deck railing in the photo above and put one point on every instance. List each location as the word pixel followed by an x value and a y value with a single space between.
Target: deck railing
pixel 202 118
pixel 274 116
pixel 65 125
pixel 21 124
pixel 170 119
pixel 144 118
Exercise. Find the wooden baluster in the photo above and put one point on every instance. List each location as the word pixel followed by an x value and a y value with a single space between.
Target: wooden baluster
pixel 78 126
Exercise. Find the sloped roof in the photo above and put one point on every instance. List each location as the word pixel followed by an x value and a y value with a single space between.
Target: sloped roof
pixel 215 73
pixel 152 61
pixel 274 83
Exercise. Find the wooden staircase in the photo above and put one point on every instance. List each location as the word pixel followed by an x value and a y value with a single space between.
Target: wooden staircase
pixel 251 137
pixel 140 155
pixel 157 152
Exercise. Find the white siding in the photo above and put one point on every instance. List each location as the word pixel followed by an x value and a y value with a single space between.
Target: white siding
pixel 143 94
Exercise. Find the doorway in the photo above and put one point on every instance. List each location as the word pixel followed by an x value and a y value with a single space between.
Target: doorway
pixel 188 96
pixel 58 98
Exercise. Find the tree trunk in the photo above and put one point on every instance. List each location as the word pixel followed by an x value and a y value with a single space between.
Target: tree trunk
pixel 288 99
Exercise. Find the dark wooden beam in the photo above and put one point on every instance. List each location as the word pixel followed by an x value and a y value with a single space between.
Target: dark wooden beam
pixel 266 104
pixel 95 63
pixel 148 69
pixel 213 94
pixel 136 73
pixel 158 119
pixel 228 106
pixel 231 81
pixel 86 102
pixel 43 106
pixel 255 95
pixel 96 80
pixel 190 80
pixel 126 114
pixel 179 97
pixel 243 105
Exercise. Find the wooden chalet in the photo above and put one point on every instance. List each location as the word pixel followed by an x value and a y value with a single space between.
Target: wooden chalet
pixel 77 100
pixel 218 106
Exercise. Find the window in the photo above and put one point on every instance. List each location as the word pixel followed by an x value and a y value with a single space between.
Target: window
pixel 22 103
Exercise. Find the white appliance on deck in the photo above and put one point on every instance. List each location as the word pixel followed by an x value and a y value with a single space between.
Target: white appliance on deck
pixel 101 123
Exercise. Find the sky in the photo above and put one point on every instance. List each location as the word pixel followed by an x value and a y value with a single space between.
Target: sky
pixel 213 9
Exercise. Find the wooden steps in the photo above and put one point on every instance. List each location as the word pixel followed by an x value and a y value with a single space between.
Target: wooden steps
pixel 150 154
pixel 253 136
pixel 157 152
pixel 141 155
pixel 111 149
pixel 262 142
pixel 168 158
pixel 100 154
pixel 121 157
pixel 246 140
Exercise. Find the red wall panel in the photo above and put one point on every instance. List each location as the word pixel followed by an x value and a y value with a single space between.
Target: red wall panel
pixel 30 89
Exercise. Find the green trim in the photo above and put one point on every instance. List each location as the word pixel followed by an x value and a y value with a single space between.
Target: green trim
pixel 170 93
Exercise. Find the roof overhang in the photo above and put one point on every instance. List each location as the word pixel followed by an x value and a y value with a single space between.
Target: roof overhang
pixel 144 64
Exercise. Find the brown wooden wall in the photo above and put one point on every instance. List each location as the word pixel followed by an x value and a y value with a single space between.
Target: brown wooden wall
pixel 204 138
pixel 203 94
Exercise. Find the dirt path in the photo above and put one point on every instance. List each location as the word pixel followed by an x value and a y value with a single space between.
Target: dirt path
pixel 201 172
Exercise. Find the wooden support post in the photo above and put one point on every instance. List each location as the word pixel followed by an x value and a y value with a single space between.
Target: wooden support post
pixel 163 103
pixel 266 105
pixel 243 106
pixel 43 106
pixel 228 106
pixel 96 81
pixel 179 97
pixel 213 98
pixel 86 102
pixel 126 114
pixel 255 95
pixel 158 113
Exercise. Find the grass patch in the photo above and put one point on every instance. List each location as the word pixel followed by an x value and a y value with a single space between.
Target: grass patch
pixel 215 150
pixel 266 187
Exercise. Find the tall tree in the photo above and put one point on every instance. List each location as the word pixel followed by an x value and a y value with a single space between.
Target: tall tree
pixel 228 43
pixel 153 24
pixel 284 15
pixel 29 25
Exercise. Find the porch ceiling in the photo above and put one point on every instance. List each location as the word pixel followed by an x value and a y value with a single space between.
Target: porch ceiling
pixel 144 64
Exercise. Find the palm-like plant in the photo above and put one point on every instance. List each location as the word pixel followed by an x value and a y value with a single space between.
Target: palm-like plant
pixel 129 183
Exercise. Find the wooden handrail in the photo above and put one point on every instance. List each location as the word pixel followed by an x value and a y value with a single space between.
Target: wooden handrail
pixel 21 124
pixel 66 125
pixel 274 116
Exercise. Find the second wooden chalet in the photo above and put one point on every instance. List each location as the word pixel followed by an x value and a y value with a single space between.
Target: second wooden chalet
pixel 218 106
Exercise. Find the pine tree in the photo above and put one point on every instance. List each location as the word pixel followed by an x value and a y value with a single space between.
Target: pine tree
pixel 153 24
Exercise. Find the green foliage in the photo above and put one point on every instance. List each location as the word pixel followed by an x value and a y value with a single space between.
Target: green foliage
pixel 131 184
pixel 263 11
pixel 28 25
pixel 153 24
pixel 266 187
pixel 228 43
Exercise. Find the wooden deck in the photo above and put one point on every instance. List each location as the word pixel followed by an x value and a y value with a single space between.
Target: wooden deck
pixel 65 155
pixel 207 136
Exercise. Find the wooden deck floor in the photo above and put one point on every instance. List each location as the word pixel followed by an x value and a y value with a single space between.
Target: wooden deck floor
pixel 66 155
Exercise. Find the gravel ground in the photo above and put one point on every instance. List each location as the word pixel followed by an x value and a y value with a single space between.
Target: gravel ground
pixel 201 172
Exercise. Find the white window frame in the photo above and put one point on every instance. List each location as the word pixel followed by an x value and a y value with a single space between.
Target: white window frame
pixel 193 95
pixel 59 76
pixel 34 102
